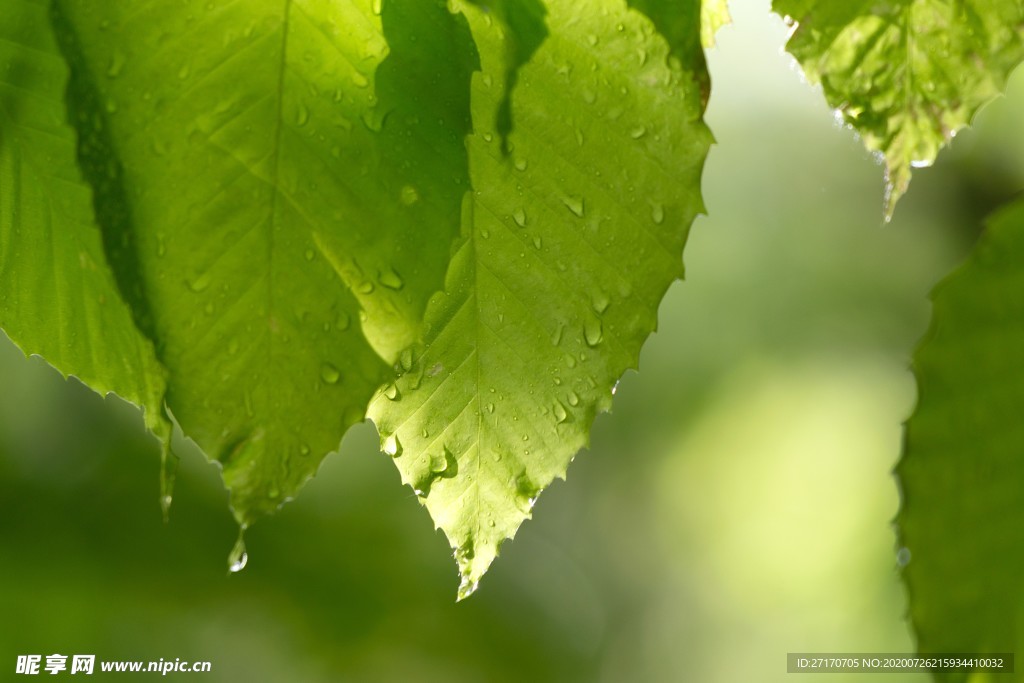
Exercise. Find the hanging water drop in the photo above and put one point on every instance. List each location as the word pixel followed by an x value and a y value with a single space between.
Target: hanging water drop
pixel 238 557
pixel 560 413
pixel 392 392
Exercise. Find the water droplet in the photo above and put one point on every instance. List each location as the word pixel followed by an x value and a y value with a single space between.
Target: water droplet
pixel 490 407
pixel 359 80
pixel 537 242
pixel 309 254
pixel 238 557
pixel 573 398
pixel 366 287
pixel 304 449
pixel 593 40
pixel 574 204
pixel 302 118
pixel 392 392
pixel 519 216
pixel 185 71
pixel 406 360
pixel 390 279
pixel 638 132
pixel 615 388
pixel 329 374
pixel 903 557
pixel 556 336
pixel 561 415
pixel 657 213
pixel 200 283
pixel 409 195
pixel 116 64
pixel 521 164
pixel 593 331
pixel 599 301
pixel 392 446
pixel 579 137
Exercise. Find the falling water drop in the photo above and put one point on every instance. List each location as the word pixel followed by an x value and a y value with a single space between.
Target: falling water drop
pixel 392 446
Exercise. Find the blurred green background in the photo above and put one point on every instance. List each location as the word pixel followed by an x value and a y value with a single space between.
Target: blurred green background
pixel 735 507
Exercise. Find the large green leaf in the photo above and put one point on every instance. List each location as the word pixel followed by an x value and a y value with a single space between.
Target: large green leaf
pixel 58 298
pixel 282 183
pixel 962 474
pixel 906 74
pixel 570 241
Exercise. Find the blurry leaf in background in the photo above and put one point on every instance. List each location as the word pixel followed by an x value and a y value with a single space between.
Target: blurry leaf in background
pixel 570 242
pixel 714 14
pixel 59 299
pixel 277 172
pixel 906 74
pixel 961 522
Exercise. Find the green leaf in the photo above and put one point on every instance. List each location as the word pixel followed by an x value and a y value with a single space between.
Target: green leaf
pixel 570 242
pixel 714 14
pixel 961 473
pixel 675 22
pixel 906 74
pixel 283 182
pixel 59 299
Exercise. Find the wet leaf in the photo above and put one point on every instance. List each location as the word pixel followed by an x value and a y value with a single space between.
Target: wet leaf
pixel 569 243
pixel 59 299
pixel 906 74
pixel 281 182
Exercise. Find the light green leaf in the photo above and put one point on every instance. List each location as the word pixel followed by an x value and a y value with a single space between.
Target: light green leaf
pixel 278 175
pixel 58 297
pixel 714 14
pixel 962 475
pixel 570 242
pixel 906 74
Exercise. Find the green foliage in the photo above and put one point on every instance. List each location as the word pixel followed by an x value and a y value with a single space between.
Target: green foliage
pixel 961 471
pixel 266 221
pixel 906 74
pixel 570 242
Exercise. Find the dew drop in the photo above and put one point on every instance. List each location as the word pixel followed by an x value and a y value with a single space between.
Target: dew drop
pixel 392 446
pixel 392 392
pixel 638 132
pixel 329 374
pixel 561 415
pixel 574 204
pixel 599 302
pixel 519 216
pixel 360 80
pixel 538 242
pixel 302 118
pixel 657 213
pixel 521 164
pixel 406 360
pixel 593 332
pixel 903 557
pixel 366 287
pixel 556 336
pixel 116 64
pixel 573 398
pixel 409 195
pixel 309 254
pixel 391 279
pixel 490 407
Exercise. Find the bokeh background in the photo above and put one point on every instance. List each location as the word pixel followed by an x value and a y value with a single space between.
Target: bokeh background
pixel 736 506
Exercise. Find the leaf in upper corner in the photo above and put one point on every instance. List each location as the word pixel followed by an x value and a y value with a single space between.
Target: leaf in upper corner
pixel 570 242
pixel 714 14
pixel 283 182
pixel 962 474
pixel 906 74
pixel 58 298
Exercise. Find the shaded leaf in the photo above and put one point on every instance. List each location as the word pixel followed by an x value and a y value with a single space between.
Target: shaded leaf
pixel 284 181
pixel 906 74
pixel 961 523
pixel 570 242
pixel 59 299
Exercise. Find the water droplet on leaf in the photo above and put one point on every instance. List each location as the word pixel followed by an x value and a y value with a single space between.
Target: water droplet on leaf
pixel 329 373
